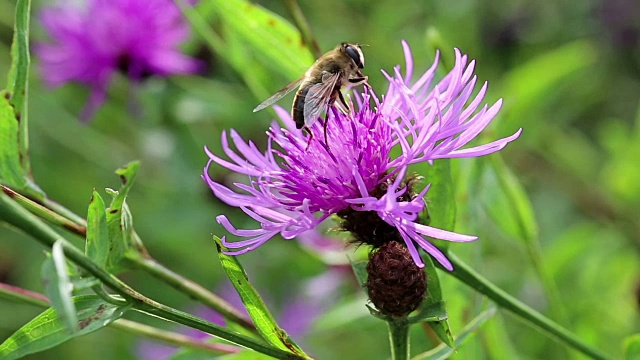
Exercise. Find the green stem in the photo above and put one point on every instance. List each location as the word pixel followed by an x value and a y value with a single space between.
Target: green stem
pixel 476 281
pixel 22 219
pixel 70 215
pixel 194 290
pixel 100 291
pixel 399 338
pixel 303 26
pixel 76 225
pixel 171 338
pixel 146 263
pixel 15 293
pixel 132 327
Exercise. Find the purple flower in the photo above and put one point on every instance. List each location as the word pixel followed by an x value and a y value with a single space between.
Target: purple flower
pixel 291 190
pixel 92 40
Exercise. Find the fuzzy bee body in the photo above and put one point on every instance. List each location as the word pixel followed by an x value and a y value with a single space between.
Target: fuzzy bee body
pixel 320 86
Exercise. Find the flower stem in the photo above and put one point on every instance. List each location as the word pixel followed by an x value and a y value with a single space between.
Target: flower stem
pixel 132 327
pixel 19 294
pixel 15 215
pixel 476 281
pixel 194 290
pixel 172 338
pixel 57 216
pixel 399 338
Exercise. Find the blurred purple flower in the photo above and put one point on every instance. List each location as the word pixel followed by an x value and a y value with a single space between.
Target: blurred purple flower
pixel 292 190
pixel 92 40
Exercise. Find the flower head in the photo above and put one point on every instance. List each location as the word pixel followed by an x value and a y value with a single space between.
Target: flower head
pixel 92 40
pixel 292 189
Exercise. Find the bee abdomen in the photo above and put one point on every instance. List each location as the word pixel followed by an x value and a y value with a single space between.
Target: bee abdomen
pixel 297 109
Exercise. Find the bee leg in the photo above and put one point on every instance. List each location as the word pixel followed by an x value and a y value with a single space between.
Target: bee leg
pixel 308 131
pixel 359 80
pixel 326 121
pixel 342 105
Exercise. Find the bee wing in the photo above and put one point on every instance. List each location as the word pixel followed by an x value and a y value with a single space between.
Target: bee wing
pixel 318 96
pixel 279 95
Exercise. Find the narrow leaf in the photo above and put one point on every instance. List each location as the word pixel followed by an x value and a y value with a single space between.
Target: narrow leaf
pixel 434 299
pixel 440 199
pixel 443 352
pixel 58 287
pixel 512 212
pixel 434 312
pixel 48 330
pixel 11 172
pixel 122 243
pixel 17 86
pixel 360 270
pixel 632 347
pixel 530 82
pixel 127 175
pixel 265 322
pixel 519 204
pixel 19 71
pixel 97 247
pixel 471 278
pixel 271 37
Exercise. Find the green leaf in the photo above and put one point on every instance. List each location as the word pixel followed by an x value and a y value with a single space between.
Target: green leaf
pixel 19 71
pixel 127 176
pixel 48 330
pixel 632 347
pixel 530 82
pixel 271 37
pixel 512 212
pixel 440 199
pixel 97 247
pixel 265 322
pixel 256 76
pixel 11 172
pixel 434 312
pixel 471 278
pixel 197 354
pixel 517 212
pixel 122 242
pixel 58 287
pixel 360 270
pixel 243 355
pixel 17 87
pixel 443 352
pixel 434 299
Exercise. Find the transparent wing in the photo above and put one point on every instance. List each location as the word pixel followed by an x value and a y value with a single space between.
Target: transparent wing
pixel 318 96
pixel 279 95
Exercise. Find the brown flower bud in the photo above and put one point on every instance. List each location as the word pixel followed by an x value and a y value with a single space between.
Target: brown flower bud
pixel 395 284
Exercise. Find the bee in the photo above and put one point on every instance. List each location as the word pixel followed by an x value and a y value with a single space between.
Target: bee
pixel 320 86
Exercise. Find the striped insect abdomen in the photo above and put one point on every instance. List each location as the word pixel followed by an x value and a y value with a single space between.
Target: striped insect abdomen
pixel 297 109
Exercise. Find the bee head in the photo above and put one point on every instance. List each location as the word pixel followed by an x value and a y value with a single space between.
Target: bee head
pixel 355 53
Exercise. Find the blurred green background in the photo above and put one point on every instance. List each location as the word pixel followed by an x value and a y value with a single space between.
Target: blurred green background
pixel 569 75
